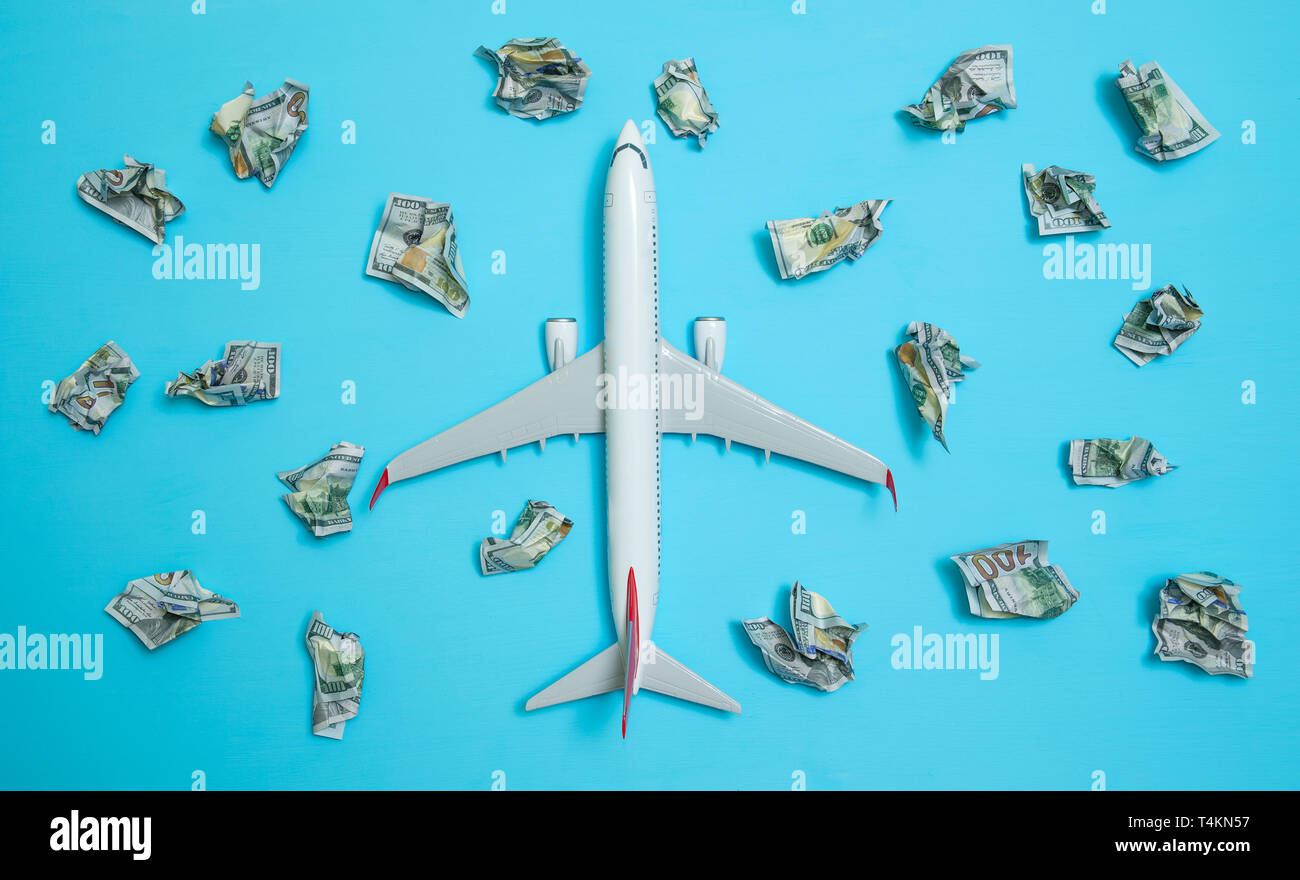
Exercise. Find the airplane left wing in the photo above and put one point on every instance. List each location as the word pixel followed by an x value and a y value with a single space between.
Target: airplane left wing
pixel 562 402
pixel 734 413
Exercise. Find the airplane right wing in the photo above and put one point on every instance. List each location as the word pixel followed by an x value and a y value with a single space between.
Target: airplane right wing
pixel 734 413
pixel 562 402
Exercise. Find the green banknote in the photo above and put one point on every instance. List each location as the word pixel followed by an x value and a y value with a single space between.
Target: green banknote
pixel 539 528
pixel 1200 621
pixel 90 395
pixel 1114 463
pixel 976 84
pixel 163 606
pixel 318 492
pixel 247 372
pixel 537 78
pixel 136 196
pixel 817 629
pixel 415 246
pixel 683 104
pixel 261 133
pixel 1061 200
pixel 1015 580
pixel 1158 325
pixel 340 666
pixel 931 362
pixel 813 244
pixel 819 653
pixel 1171 125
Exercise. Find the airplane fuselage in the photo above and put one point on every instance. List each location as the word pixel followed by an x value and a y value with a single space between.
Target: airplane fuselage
pixel 632 429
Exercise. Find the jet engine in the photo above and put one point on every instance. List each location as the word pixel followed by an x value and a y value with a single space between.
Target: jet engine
pixel 711 342
pixel 561 341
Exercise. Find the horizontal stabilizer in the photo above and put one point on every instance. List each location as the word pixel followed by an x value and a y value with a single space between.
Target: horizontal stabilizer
pixel 599 675
pixel 664 675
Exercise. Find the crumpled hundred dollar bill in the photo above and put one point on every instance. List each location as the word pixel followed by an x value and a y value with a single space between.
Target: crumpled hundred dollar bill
pixel 247 372
pixel 1061 200
pixel 931 362
pixel 415 246
pixel 90 395
pixel 976 84
pixel 819 652
pixel 683 104
pixel 813 244
pixel 135 196
pixel 539 528
pixel 163 606
pixel 1172 127
pixel 1201 621
pixel 1015 580
pixel 537 78
pixel 318 492
pixel 261 134
pixel 1158 325
pixel 1115 463
pixel 339 663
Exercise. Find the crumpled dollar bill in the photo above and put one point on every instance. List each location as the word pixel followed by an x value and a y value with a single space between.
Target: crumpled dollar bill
pixel 261 134
pixel 931 361
pixel 340 666
pixel 819 653
pixel 537 78
pixel 98 387
pixel 318 492
pixel 1201 621
pixel 1015 580
pixel 1114 463
pixel 163 606
pixel 539 528
pixel 415 246
pixel 136 196
pixel 976 84
pixel 247 372
pixel 1171 125
pixel 812 244
pixel 1158 325
pixel 683 104
pixel 1062 201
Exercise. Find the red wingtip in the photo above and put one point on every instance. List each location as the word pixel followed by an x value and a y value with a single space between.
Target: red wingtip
pixel 889 484
pixel 383 484
pixel 633 644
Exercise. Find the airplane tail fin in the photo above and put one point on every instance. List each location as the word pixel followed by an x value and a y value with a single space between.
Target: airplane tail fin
pixel 606 672
pixel 633 638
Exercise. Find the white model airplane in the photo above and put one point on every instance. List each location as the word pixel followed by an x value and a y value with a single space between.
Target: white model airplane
pixel 622 387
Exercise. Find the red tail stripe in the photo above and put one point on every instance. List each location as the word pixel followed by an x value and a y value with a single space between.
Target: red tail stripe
pixel 633 644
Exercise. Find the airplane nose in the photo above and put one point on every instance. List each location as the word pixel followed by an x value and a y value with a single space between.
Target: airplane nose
pixel 630 135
